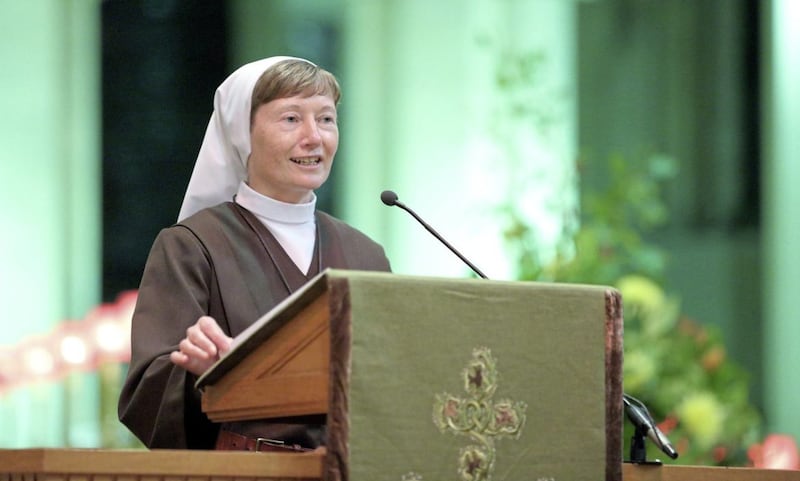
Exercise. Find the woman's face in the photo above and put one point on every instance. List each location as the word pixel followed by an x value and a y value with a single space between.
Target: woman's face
pixel 293 141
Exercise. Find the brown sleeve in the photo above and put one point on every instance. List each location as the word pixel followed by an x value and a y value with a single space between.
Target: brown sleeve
pixel 158 401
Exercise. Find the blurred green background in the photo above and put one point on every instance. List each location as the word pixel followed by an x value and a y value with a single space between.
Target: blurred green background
pixel 503 123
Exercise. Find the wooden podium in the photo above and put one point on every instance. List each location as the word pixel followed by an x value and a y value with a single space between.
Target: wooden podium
pixel 491 376
pixel 377 354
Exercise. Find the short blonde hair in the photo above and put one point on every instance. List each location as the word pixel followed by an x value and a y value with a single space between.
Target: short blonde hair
pixel 291 77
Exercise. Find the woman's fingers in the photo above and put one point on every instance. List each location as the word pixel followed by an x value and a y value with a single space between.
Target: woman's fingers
pixel 205 341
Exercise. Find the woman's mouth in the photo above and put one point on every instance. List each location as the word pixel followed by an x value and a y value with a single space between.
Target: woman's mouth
pixel 306 160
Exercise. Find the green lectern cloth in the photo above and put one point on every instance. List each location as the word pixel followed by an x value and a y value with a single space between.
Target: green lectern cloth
pixel 472 379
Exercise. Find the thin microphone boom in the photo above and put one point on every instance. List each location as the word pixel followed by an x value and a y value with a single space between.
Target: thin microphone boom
pixel 390 198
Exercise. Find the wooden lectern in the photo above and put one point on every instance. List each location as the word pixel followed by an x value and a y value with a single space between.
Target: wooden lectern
pixel 421 380
pixel 425 378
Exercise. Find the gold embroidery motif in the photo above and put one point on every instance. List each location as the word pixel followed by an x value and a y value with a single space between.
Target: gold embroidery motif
pixel 478 417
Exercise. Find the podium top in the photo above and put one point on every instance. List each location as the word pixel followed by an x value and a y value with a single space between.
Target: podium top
pixel 277 317
pixel 265 326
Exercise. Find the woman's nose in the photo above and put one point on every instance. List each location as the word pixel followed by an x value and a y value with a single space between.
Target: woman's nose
pixel 311 132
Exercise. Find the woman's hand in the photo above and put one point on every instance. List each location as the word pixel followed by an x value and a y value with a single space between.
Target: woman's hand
pixel 203 345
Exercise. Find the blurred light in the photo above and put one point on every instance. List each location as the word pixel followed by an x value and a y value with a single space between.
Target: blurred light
pixel 39 361
pixel 110 336
pixel 72 345
pixel 74 350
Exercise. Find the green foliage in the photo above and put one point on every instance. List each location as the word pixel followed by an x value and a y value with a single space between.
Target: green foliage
pixel 609 241
pixel 676 366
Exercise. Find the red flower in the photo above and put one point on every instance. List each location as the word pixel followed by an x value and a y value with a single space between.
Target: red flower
pixel 668 424
pixel 719 453
pixel 779 451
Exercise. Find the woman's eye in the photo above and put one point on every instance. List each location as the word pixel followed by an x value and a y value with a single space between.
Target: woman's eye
pixel 329 119
pixel 291 118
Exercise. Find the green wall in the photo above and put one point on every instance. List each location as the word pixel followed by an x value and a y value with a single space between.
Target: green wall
pixel 781 117
pixel 49 199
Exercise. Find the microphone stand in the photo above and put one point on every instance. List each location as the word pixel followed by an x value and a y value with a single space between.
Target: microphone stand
pixel 644 426
pixel 638 451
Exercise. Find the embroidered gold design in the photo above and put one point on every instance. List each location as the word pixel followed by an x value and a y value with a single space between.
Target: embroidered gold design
pixel 479 417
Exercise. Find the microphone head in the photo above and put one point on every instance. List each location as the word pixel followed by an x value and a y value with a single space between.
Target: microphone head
pixel 388 197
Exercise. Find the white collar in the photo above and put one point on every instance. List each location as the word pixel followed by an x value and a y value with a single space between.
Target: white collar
pixel 272 210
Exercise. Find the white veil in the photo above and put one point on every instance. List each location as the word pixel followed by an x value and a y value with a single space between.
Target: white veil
pixel 222 161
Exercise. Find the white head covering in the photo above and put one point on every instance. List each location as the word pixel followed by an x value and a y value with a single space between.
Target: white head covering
pixel 222 162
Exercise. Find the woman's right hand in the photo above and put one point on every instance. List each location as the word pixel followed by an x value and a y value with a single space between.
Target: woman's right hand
pixel 203 345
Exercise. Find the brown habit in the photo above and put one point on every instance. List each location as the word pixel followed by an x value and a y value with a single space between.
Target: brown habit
pixel 224 263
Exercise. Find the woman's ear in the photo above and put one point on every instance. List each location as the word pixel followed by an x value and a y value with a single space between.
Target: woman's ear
pixel 247 168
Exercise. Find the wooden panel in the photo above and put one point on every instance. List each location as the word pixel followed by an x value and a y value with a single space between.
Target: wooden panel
pixel 160 465
pixel 295 358
pixel 632 472
pixel 176 465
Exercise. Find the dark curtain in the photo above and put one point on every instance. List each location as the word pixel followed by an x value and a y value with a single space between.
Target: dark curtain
pixel 161 62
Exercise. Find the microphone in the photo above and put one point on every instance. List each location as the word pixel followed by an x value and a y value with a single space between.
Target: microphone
pixel 390 198
pixel 643 422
